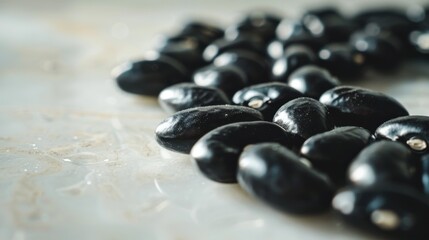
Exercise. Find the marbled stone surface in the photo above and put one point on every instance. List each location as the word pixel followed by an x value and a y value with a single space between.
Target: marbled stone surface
pixel 78 157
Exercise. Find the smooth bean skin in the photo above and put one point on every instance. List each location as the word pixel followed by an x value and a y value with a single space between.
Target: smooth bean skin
pixel 382 52
pixel 330 24
pixel 342 60
pixel 180 131
pixel 276 48
pixel 354 106
pixel 274 174
pixel 304 117
pixel 312 81
pixel 217 152
pixel 149 77
pixel 204 31
pixel 253 65
pixel 392 210
pixel 255 23
pixel 186 50
pixel 405 130
pixel 228 78
pixel 332 152
pixel 266 97
pixel 383 161
pixel 425 173
pixel 295 57
pixel 182 96
pixel 250 43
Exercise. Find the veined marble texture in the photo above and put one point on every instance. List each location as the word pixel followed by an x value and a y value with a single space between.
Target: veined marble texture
pixel 78 158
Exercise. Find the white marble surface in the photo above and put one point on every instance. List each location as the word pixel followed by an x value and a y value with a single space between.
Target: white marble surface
pixel 78 158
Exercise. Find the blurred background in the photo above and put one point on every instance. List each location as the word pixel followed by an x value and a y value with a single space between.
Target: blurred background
pixel 78 159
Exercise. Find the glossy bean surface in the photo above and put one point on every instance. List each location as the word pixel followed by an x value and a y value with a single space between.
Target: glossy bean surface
pixel 266 97
pixel 332 152
pixel 180 131
pixel 354 106
pixel 217 152
pixel 394 211
pixel 277 176
pixel 304 117
pixel 182 96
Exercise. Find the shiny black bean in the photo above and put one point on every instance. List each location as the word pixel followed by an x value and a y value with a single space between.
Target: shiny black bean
pixel 203 31
pixel 383 52
pixel 394 211
pixel 419 40
pixel 304 117
pixel 413 131
pixel 186 50
pixel 312 81
pixel 180 131
pixel 353 106
pixel 342 60
pixel 290 27
pixel 253 65
pixel 277 47
pixel 425 173
pixel 295 57
pixel 276 175
pixel 383 161
pixel 369 15
pixel 266 97
pixel 255 23
pixel 217 152
pixel 182 96
pixel 391 20
pixel 228 78
pixel 330 24
pixel 149 77
pixel 331 152
pixel 250 43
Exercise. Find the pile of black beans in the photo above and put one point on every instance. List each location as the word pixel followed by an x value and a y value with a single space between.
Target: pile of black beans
pixel 260 103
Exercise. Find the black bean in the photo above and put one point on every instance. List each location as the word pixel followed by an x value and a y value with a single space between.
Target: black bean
pixel 201 30
pixel 228 78
pixel 369 15
pixel 419 40
pixel 266 97
pixel 277 176
pixel 250 43
pixel 353 106
pixel 180 131
pixel 383 161
pixel 277 47
pixel 332 152
pixel 255 23
pixel 217 152
pixel 182 96
pixel 290 27
pixel 304 117
pixel 395 211
pixel 186 50
pixel 149 77
pixel 413 131
pixel 312 81
pixel 330 24
pixel 425 173
pixel 295 57
pixel 383 52
pixel 253 65
pixel 342 60
pixel 393 21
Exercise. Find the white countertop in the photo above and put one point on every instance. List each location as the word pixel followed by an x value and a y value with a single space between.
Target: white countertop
pixel 78 159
